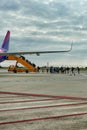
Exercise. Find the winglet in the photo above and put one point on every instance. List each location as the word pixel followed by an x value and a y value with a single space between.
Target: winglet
pixel 5 44
pixel 71 46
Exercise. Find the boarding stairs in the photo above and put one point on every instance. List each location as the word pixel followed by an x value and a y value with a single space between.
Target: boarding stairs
pixel 31 67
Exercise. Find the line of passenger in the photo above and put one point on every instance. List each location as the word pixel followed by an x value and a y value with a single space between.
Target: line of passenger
pixel 62 70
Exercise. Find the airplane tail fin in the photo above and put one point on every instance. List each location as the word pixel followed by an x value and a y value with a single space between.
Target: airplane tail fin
pixel 5 44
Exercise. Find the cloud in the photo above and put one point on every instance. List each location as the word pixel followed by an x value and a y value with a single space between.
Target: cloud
pixel 46 25
pixel 9 5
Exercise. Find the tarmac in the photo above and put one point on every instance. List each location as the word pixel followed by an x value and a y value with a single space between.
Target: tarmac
pixel 43 101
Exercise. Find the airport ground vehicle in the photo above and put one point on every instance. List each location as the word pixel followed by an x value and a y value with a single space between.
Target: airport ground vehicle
pixel 15 69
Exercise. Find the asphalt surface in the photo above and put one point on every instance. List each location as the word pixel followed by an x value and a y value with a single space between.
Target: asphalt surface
pixel 43 101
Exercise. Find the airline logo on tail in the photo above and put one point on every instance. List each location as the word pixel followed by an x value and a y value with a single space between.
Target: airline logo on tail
pixel 5 44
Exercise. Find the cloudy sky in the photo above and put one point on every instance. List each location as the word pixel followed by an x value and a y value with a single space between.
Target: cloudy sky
pixel 37 25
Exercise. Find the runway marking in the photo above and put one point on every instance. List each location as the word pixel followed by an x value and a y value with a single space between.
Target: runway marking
pixel 17 96
pixel 76 101
pixel 7 102
pixel 44 118
pixel 44 95
pixel 45 106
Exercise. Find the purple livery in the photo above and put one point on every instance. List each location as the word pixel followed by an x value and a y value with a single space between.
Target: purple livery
pixel 5 46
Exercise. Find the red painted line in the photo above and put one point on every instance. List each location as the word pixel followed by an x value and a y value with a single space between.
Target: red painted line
pixel 12 96
pixel 51 106
pixel 27 101
pixel 44 95
pixel 44 118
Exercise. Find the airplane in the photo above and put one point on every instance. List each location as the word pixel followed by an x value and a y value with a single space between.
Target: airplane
pixel 5 47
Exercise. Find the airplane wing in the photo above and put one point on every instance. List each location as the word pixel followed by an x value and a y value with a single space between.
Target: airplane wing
pixel 33 52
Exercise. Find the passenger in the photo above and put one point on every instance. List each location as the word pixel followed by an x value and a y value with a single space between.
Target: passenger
pixel 22 57
pixel 67 69
pixel 72 70
pixel 47 69
pixel 38 68
pixel 78 70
